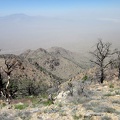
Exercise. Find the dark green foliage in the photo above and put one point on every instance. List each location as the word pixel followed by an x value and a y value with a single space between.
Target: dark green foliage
pixel 25 87
pixel 85 78
pixel 13 88
pixel 31 87
pixel 111 86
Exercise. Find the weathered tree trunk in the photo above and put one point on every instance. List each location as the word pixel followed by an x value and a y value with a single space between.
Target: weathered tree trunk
pixel 0 84
pixel 102 76
pixel 119 65
pixel 8 82
pixel 119 72
pixel 102 72
pixel 7 91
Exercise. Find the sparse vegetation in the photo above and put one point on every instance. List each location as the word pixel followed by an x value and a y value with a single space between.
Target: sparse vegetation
pixel 47 102
pixel 106 118
pixel 85 78
pixel 75 117
pixel 116 101
pixel 21 106
pixel 44 95
pixel 108 94
pixel 111 86
pixel 117 92
pixel 2 105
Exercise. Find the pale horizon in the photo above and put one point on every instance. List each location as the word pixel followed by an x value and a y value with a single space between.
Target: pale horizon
pixel 74 25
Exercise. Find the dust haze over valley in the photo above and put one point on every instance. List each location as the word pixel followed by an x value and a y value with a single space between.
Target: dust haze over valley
pixel 21 32
pixel 75 28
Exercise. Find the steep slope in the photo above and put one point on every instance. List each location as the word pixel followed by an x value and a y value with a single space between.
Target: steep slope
pixel 58 61
pixel 31 72
pixel 76 58
pixel 92 102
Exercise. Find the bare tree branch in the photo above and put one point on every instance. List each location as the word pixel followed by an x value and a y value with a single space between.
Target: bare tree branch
pixel 95 62
pixel 101 52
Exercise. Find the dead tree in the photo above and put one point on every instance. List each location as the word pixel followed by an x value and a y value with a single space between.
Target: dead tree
pixel 115 63
pixel 1 82
pixel 118 62
pixel 10 65
pixel 101 52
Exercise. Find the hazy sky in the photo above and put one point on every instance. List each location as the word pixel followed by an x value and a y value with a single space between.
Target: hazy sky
pixel 72 24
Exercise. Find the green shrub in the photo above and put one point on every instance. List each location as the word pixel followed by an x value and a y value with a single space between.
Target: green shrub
pixel 47 103
pixel 104 109
pixel 21 106
pixel 108 94
pixel 35 101
pixel 75 117
pixel 116 101
pixel 28 87
pixel 2 105
pixel 117 92
pixel 85 78
pixel 111 86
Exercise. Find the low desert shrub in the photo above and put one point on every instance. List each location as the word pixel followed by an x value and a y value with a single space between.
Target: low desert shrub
pixel 116 101
pixel 21 106
pixel 47 103
pixel 117 92
pixel 111 86
pixel 77 117
pixel 106 118
pixel 108 94
pixel 104 109
pixel 24 115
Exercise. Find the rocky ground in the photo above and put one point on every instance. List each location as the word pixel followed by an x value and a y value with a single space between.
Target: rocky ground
pixel 98 102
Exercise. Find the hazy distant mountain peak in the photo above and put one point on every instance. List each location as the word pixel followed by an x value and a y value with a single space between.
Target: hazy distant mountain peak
pixel 17 15
pixel 58 50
